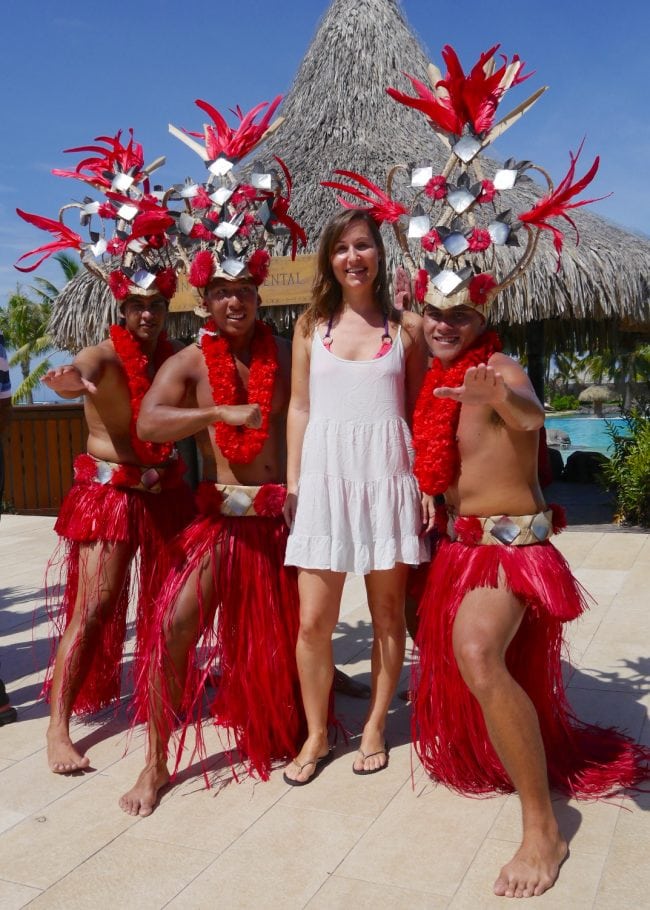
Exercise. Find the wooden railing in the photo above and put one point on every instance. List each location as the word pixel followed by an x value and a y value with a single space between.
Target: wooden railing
pixel 41 443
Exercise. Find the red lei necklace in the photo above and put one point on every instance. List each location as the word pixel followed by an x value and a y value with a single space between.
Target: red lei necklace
pixel 136 363
pixel 435 420
pixel 241 444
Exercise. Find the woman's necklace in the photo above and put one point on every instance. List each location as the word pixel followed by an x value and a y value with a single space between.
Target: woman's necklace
pixel 386 340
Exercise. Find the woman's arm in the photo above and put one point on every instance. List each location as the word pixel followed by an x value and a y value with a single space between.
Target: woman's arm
pixel 297 415
pixel 416 360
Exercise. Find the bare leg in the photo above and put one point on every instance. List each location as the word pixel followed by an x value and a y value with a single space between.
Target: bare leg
pixel 385 591
pixel 486 623
pixel 181 628
pixel 103 568
pixel 320 600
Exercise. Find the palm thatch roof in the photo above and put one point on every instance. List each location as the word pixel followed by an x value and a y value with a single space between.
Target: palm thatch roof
pixel 338 115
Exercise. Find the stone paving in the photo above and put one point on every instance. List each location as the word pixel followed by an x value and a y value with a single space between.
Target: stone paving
pixel 391 840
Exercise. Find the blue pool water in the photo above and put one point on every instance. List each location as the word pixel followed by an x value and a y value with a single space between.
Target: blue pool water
pixel 586 433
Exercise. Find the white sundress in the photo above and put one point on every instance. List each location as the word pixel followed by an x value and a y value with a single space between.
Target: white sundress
pixel 358 503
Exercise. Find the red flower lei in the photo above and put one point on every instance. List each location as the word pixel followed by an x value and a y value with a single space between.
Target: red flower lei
pixel 135 363
pixel 435 419
pixel 241 444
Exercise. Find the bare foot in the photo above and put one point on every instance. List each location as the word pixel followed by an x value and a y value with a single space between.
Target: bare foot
pixel 534 868
pixel 372 754
pixel 308 760
pixel 142 798
pixel 62 757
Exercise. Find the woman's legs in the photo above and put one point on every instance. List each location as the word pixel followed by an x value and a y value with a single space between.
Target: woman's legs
pixel 386 592
pixel 320 600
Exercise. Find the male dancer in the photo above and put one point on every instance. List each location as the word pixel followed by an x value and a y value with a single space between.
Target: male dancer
pixel 233 553
pixel 489 709
pixel 127 495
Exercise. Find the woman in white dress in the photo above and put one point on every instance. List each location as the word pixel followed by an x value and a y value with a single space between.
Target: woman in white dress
pixel 353 504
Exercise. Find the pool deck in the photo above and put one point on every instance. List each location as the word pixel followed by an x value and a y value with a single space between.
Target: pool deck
pixel 391 840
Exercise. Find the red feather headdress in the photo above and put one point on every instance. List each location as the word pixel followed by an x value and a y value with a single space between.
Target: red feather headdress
pixel 130 248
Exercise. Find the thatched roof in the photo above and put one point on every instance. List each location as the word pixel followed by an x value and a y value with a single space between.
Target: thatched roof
pixel 338 115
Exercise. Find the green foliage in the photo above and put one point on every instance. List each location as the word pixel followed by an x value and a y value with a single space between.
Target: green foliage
pixel 24 326
pixel 628 470
pixel 565 403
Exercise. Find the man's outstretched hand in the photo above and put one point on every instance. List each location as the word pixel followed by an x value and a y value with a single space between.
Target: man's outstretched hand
pixel 481 385
pixel 69 380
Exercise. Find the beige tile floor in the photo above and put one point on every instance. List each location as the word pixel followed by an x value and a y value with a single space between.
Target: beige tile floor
pixel 388 841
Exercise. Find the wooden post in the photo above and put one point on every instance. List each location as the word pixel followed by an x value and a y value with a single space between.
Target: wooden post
pixel 535 356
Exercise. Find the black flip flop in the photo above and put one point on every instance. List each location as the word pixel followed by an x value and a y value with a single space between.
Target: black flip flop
pixel 319 764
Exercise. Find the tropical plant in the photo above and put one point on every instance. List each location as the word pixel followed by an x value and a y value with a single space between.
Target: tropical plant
pixel 46 290
pixel 628 470
pixel 24 325
pixel 564 403
pixel 626 366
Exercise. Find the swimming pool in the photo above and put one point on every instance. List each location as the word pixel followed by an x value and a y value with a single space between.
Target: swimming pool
pixel 586 433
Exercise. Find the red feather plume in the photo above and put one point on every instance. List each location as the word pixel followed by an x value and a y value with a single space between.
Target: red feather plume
pixel 556 204
pixel 67 239
pixel 235 144
pixel 381 208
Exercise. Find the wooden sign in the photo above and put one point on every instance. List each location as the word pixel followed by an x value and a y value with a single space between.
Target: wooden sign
pixel 288 283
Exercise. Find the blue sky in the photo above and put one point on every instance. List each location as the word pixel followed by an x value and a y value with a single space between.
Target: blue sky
pixel 70 71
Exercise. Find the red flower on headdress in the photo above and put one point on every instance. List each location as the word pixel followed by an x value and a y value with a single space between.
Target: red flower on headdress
pixel 381 208
pixel 119 284
pixel 269 500
pixel 243 195
pixel 202 269
pixel 116 246
pixel 201 200
pixel 558 517
pixel 421 284
pixel 166 282
pixel 200 232
pixel 479 240
pixel 436 188
pixel 258 266
pixel 556 204
pixel 431 241
pixel 487 193
pixel 107 210
pixel 479 288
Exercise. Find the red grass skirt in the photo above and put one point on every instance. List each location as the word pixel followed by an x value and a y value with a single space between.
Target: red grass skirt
pixel 449 732
pixel 91 513
pixel 251 644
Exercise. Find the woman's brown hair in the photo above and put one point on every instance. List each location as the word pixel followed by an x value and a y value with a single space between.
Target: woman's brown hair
pixel 327 295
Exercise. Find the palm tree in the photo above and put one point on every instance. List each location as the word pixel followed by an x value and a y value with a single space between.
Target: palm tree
pixel 24 325
pixel 46 290
pixel 627 365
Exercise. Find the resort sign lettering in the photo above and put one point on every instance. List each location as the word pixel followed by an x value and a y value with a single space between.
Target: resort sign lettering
pixel 289 281
pixel 288 284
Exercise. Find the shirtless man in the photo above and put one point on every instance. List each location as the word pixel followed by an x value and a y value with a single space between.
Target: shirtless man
pixel 255 600
pixel 497 448
pixel 489 707
pixel 127 495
